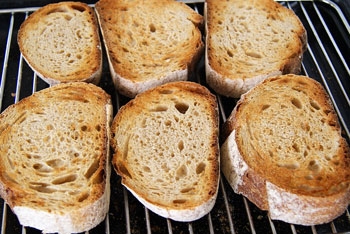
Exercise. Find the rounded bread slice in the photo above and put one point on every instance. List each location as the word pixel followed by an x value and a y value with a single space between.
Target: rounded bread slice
pixel 166 149
pixel 248 41
pixel 285 153
pixel 149 42
pixel 54 164
pixel 61 43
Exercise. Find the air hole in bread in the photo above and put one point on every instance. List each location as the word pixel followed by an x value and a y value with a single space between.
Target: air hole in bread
pixel 83 197
pixel 67 17
pixel 297 103
pixel 180 145
pixel 43 189
pixel 229 53
pixel 181 172
pixel 98 127
pixel 124 9
pixel 264 107
pixel 168 123
pixel 166 91
pixel 84 128
pixel 309 177
pixel 219 22
pixel 306 153
pixel 99 178
pixel 92 169
pixel 200 168
pixel 125 50
pixel 179 201
pixel 314 166
pixel 291 166
pixel 314 105
pixel 186 190
pixel 181 107
pixel 152 28
pixel 253 54
pixel 49 127
pixel 146 169
pixel 159 109
pixel 79 56
pixel 296 147
pixel 41 168
pixel 55 163
pixel 55 10
pixel 78 8
pixel 65 179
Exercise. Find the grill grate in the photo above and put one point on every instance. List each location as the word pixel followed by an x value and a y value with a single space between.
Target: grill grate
pixel 326 60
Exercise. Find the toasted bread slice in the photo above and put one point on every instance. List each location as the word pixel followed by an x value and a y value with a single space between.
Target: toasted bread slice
pixel 248 41
pixel 54 164
pixel 61 43
pixel 149 42
pixel 285 153
pixel 166 149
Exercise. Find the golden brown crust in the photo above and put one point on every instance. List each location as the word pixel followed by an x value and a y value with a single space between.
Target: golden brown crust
pixel 42 182
pixel 248 41
pixel 132 112
pixel 89 69
pixel 140 48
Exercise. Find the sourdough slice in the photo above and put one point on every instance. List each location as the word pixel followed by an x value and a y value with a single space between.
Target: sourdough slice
pixel 285 153
pixel 248 41
pixel 166 149
pixel 61 43
pixel 54 164
pixel 149 42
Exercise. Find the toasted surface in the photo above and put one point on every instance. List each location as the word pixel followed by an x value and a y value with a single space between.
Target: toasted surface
pixel 248 41
pixel 54 164
pixel 72 48
pixel 285 135
pixel 166 149
pixel 149 42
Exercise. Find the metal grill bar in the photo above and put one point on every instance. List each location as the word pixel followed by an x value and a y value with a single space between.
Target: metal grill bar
pixel 331 37
pixel 190 226
pixel 325 52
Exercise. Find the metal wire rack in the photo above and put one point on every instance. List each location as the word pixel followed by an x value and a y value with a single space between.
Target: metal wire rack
pixel 327 60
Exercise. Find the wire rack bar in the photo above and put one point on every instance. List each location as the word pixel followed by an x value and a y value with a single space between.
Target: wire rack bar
pixel 325 53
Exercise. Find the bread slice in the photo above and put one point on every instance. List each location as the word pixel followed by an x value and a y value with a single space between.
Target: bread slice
pixel 54 158
pixel 149 42
pixel 166 149
pixel 61 43
pixel 285 153
pixel 248 41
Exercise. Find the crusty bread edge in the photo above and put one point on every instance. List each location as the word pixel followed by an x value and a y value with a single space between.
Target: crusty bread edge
pixel 130 88
pixel 181 215
pixel 280 203
pixel 236 87
pixel 80 220
pixel 94 78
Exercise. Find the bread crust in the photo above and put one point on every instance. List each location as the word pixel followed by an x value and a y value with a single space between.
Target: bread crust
pixel 233 82
pixel 190 210
pixel 90 69
pixel 27 203
pixel 269 190
pixel 128 77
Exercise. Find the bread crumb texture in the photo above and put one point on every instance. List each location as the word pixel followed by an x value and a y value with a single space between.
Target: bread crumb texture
pixel 247 38
pixel 61 41
pixel 166 145
pixel 53 149
pixel 288 132
pixel 149 39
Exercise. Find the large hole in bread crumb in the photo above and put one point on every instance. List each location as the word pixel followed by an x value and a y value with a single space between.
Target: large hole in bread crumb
pixel 297 103
pixel 180 145
pixel 55 163
pixel 165 91
pixel 83 197
pixel 181 172
pixel 314 166
pixel 200 168
pixel 152 28
pixel 179 201
pixel 78 8
pixel 181 107
pixel 159 109
pixel 314 105
pixel 291 166
pixel 65 179
pixel 41 168
pixel 55 10
pixel 43 189
pixel 186 190
pixel 92 169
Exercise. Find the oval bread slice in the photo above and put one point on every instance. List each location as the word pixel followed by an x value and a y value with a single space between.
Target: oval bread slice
pixel 149 42
pixel 166 149
pixel 248 41
pixel 54 164
pixel 61 43
pixel 285 153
